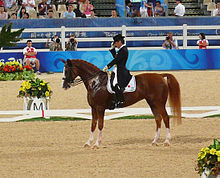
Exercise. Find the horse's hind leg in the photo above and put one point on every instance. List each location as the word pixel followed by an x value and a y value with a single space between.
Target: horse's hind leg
pixel 93 127
pixel 158 124
pixel 166 121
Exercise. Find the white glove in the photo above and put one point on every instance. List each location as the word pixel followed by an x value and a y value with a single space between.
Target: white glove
pixel 105 69
pixel 112 45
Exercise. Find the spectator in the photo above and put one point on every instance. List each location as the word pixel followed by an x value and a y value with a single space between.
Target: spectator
pixel 43 8
pixel 1 3
pixel 28 4
pixel 77 11
pixel 50 14
pixel 69 14
pixel 144 8
pixel 159 11
pixel 179 10
pixel 3 14
pixel 114 14
pixel 30 59
pixel 13 16
pixel 87 8
pixel 170 42
pixel 216 12
pixel 25 16
pixel 203 43
pixel 129 9
pixel 92 14
pixel 21 12
pixel 55 44
pixel 71 44
pixel 10 5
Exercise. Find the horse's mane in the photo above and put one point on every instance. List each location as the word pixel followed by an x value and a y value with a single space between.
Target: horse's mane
pixel 92 66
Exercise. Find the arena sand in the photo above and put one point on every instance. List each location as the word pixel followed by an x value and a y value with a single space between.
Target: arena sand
pixel 55 149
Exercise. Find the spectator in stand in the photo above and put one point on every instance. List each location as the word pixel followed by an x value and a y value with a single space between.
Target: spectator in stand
pixel 158 10
pixel 13 16
pixel 71 44
pixel 87 8
pixel 28 4
pixel 216 12
pixel 43 8
pixel 3 14
pixel 203 43
pixel 50 14
pixel 144 8
pixel 21 12
pixel 55 44
pixel 170 42
pixel 25 16
pixel 1 3
pixel 114 14
pixel 69 14
pixel 128 9
pixel 30 59
pixel 92 14
pixel 10 5
pixel 179 10
pixel 77 11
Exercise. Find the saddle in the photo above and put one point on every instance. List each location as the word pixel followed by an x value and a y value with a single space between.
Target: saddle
pixel 112 81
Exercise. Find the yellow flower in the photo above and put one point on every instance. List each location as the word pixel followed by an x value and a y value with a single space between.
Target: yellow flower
pixel 48 87
pixel 20 65
pixel 218 153
pixel 22 89
pixel 218 158
pixel 47 93
pixel 203 155
pixel 39 88
pixel 1 64
pixel 207 150
pixel 7 63
pixel 203 149
pixel 28 85
pixel 17 63
pixel 212 151
pixel 42 84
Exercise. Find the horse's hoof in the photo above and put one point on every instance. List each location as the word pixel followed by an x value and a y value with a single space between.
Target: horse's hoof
pixel 166 143
pixel 86 145
pixel 95 147
pixel 154 144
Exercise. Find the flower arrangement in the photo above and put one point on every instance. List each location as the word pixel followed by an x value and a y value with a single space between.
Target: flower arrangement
pixel 13 70
pixel 209 158
pixel 35 88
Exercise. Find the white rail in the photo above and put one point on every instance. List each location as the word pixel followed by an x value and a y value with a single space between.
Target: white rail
pixel 124 30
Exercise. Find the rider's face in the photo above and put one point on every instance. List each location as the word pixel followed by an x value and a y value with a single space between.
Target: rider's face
pixel 118 44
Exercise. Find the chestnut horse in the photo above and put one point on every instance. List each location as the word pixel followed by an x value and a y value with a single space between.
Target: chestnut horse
pixel 150 86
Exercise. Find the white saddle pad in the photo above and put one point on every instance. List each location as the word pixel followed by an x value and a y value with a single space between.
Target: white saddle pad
pixel 131 87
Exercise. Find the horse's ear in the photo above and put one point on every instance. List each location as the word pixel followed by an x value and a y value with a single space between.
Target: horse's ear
pixel 69 63
pixel 63 61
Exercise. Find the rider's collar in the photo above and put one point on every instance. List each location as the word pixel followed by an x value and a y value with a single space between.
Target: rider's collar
pixel 121 46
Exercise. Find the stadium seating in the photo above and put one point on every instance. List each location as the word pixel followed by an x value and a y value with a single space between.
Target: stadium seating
pixel 103 8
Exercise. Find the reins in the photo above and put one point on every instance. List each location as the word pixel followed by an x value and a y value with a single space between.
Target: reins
pixel 78 81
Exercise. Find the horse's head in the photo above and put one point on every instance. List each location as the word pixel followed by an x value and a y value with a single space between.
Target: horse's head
pixel 69 73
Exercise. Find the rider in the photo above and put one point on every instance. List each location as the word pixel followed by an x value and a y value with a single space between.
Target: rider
pixel 122 73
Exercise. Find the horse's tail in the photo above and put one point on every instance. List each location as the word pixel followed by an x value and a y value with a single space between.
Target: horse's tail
pixel 174 96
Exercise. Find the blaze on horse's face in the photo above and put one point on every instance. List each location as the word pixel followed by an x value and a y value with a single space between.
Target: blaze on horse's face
pixel 69 74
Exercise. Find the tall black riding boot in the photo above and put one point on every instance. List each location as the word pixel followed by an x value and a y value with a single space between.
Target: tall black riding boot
pixel 119 95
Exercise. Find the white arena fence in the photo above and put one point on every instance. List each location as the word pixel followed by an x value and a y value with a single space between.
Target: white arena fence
pixel 124 30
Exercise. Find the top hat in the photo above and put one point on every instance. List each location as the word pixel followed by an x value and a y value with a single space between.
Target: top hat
pixel 117 38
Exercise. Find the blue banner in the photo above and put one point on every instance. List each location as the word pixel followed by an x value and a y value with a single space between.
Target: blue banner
pixel 139 60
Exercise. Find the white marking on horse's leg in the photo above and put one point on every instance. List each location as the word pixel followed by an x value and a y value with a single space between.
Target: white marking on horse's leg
pixel 168 137
pixel 157 136
pixel 88 143
pixel 99 139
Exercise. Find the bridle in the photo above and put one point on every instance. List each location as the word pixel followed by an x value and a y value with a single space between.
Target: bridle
pixel 74 82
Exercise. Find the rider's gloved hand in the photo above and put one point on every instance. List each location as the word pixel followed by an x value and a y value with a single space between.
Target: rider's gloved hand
pixel 105 69
pixel 112 45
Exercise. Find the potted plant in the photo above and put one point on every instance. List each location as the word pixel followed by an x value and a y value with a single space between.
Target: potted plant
pixel 13 70
pixel 208 162
pixel 35 89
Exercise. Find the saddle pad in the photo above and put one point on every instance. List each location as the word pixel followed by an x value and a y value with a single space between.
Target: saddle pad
pixel 131 87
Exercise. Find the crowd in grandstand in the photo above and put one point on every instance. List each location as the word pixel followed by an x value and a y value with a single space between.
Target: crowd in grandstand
pixel 25 9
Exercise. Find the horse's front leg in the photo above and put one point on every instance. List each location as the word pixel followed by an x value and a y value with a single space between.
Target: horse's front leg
pixel 100 114
pixel 93 127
